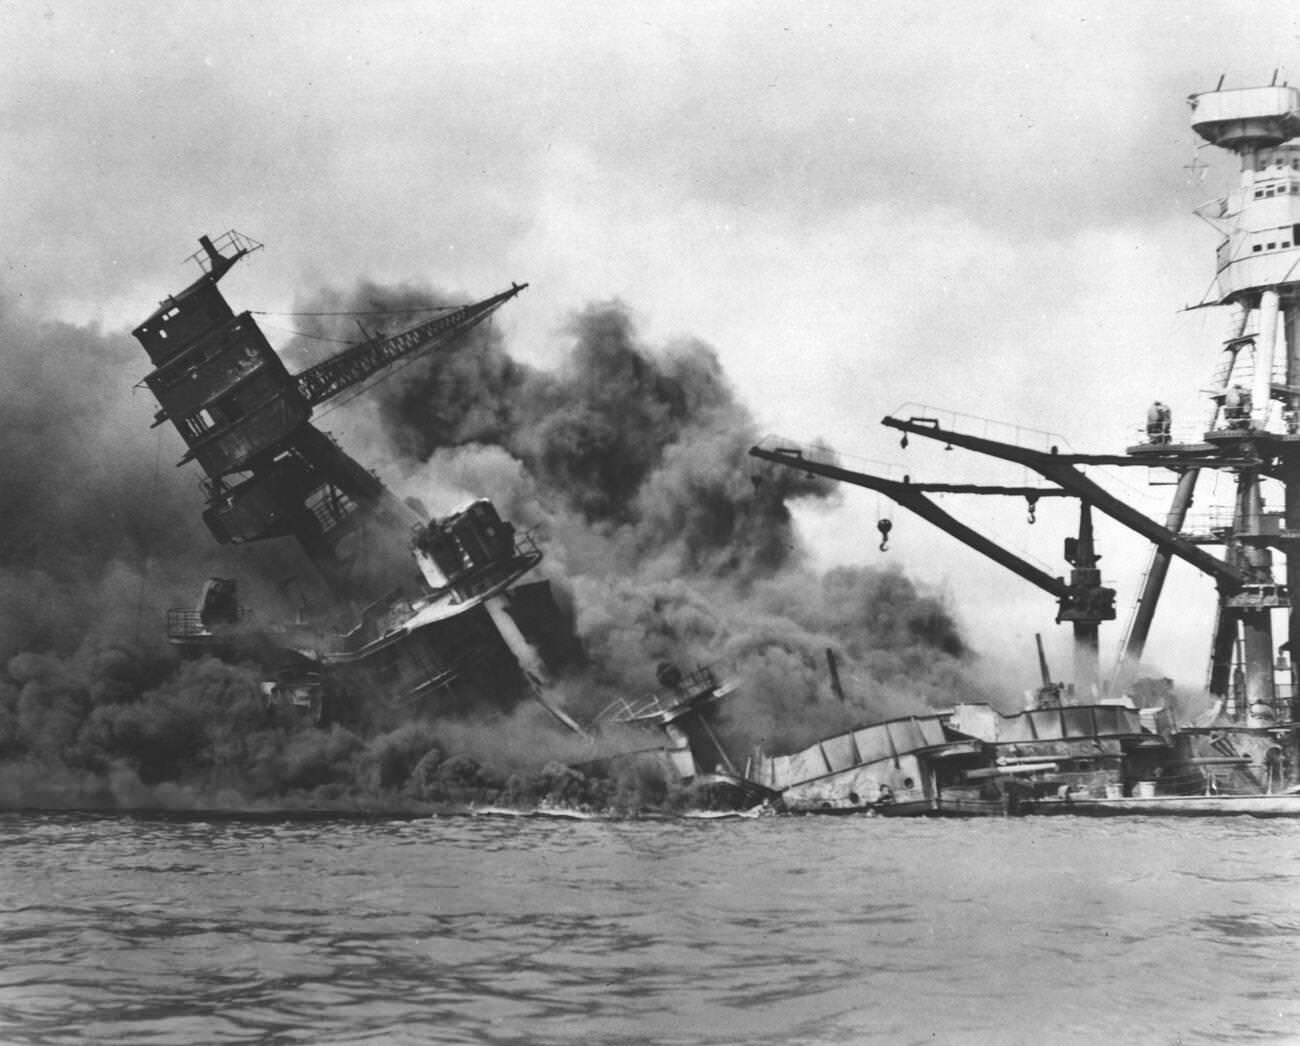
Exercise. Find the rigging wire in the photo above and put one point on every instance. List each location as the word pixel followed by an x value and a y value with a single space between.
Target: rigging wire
pixel 362 312
pixel 312 337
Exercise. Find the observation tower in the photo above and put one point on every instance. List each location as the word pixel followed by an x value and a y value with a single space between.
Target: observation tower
pixel 1255 392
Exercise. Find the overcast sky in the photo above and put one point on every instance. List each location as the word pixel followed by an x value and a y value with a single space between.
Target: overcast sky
pixel 983 207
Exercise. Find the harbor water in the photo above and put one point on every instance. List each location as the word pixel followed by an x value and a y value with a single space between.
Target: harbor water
pixel 493 929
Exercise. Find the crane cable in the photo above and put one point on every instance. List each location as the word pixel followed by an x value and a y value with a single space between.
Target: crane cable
pixel 361 312
pixel 312 337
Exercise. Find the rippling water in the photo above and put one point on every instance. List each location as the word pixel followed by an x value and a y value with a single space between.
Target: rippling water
pixel 777 930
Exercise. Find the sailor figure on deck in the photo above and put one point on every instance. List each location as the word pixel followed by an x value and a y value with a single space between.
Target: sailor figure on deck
pixel 1236 407
pixel 1158 418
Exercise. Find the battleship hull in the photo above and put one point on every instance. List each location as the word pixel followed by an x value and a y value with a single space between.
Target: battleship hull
pixel 1287 805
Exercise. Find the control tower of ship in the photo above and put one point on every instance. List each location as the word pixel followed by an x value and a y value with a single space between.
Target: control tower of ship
pixel 1256 393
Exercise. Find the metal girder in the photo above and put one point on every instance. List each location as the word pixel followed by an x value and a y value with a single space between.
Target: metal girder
pixel 1059 469
pixel 912 497
pixel 1140 627
pixel 1031 493
pixel 353 366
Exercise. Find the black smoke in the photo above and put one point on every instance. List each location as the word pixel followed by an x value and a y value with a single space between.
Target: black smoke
pixel 676 545
pixel 630 461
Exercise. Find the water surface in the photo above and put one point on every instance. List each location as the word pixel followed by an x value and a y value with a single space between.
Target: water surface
pixel 522 930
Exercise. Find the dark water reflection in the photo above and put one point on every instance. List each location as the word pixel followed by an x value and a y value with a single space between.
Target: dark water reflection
pixel 804 930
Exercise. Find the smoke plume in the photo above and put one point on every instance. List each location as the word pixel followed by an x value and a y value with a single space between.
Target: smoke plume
pixel 633 460
pixel 629 460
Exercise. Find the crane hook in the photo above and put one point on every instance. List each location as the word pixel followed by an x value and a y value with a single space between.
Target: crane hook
pixel 1032 501
pixel 884 526
pixel 903 442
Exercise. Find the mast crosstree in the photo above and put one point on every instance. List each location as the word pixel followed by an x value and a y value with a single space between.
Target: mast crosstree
pixel 269 472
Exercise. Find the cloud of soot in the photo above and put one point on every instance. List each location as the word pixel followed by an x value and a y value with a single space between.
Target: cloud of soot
pixel 629 460
pixel 632 461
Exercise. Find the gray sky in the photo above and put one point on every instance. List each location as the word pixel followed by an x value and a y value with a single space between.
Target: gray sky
pixel 980 206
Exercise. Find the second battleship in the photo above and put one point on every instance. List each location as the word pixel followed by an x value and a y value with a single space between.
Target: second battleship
pixel 1113 756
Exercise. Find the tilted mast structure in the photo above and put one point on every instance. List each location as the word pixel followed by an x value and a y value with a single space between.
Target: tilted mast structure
pixel 247 421
pixel 435 614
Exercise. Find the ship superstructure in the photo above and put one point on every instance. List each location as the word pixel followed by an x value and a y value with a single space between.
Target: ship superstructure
pixel 1256 416
pixel 1250 743
pixel 422 613
pixel 247 421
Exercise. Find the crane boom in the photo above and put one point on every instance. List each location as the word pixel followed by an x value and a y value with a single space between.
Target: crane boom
pixel 357 364
pixel 1059 469
pixel 912 497
pixel 1083 600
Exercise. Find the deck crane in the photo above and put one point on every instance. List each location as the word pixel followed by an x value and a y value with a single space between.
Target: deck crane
pixel 357 365
pixel 1061 469
pixel 246 420
pixel 1083 600
pixel 1245 587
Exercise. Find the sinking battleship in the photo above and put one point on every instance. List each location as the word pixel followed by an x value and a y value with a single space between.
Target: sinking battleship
pixel 458 617
pixel 420 618
pixel 1112 756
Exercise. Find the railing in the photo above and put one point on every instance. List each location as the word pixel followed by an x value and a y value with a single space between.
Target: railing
pixel 237 242
pixel 1177 434
pixel 332 509
pixel 478 579
pixel 526 544
pixel 623 710
pixel 1217 521
pixel 184 623
pixel 1261 597
pixel 983 428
